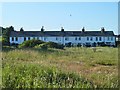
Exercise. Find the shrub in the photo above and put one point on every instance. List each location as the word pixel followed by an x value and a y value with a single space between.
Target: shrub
pixel 54 45
pixel 5 42
pixel 30 43
pixel 42 46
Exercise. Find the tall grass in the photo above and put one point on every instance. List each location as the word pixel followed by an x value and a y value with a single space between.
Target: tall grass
pixel 73 68
pixel 25 76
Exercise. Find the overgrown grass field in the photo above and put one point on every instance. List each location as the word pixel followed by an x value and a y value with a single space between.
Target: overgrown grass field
pixel 54 68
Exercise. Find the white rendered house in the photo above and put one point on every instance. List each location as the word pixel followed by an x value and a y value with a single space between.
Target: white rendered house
pixel 64 37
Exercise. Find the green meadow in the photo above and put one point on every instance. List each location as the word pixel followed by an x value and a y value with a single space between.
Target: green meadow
pixel 75 67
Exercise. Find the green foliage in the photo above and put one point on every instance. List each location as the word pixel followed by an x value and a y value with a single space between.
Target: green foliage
pixel 42 46
pixel 5 35
pixel 51 44
pixel 5 42
pixel 25 76
pixel 32 68
pixel 30 43
pixel 106 62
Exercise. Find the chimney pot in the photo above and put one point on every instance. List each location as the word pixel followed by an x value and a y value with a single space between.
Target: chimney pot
pixel 83 29
pixel 62 29
pixel 102 29
pixel 42 29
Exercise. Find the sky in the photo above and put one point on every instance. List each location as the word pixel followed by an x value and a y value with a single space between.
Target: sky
pixel 54 15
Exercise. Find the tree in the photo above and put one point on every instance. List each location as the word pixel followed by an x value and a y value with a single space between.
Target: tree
pixel 11 28
pixel 5 35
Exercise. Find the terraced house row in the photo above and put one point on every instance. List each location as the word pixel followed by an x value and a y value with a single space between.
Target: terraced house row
pixel 81 37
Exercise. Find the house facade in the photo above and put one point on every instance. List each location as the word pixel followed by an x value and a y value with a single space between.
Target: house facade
pixel 82 37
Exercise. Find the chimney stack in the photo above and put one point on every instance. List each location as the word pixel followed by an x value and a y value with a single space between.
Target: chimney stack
pixel 102 29
pixel 83 29
pixel 62 29
pixel 21 29
pixel 42 29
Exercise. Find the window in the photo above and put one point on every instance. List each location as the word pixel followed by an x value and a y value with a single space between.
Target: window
pixel 108 38
pixel 96 38
pixel 12 38
pixel 79 38
pixel 87 43
pixel 108 43
pixel 16 39
pixel 37 38
pixel 28 38
pixel 87 38
pixel 66 43
pixel 45 38
pixel 91 39
pixel 33 37
pixel 75 38
pixel 99 38
pixel 56 38
pixel 79 44
pixel 24 38
pixel 111 38
pixel 66 38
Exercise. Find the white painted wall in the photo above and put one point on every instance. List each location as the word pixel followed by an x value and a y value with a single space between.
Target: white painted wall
pixel 62 40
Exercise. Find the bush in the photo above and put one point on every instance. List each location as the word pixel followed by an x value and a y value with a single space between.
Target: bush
pixel 5 42
pixel 42 46
pixel 30 43
pixel 54 45
pixel 50 45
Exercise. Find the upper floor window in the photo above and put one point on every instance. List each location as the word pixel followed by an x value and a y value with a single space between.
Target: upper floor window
pixel 87 38
pixel 91 38
pixel 100 39
pixel 66 38
pixel 79 38
pixel 16 38
pixel 75 38
pixel 96 38
pixel 12 38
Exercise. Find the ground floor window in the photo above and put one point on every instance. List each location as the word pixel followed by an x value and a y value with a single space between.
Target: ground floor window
pixel 87 43
pixel 96 38
pixel 75 38
pixel 108 43
pixel 12 38
pixel 45 38
pixel 24 38
pixel 91 38
pixel 28 38
pixel 16 38
pixel 111 38
pixel 66 38
pixel 87 38
pixel 37 38
pixel 33 37
pixel 108 38
pixel 100 39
